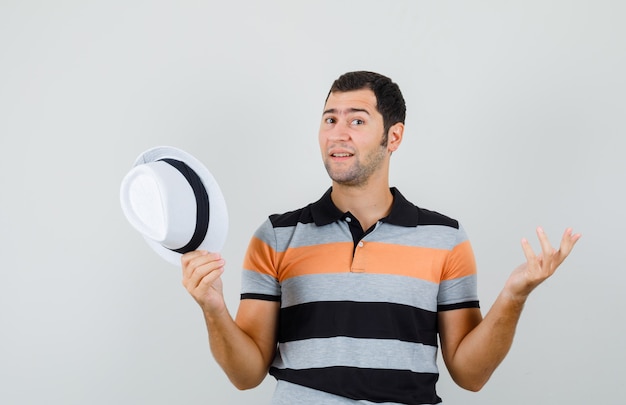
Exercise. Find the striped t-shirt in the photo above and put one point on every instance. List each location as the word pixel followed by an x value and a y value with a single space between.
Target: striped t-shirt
pixel 358 313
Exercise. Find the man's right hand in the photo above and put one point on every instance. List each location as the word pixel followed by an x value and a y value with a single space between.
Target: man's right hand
pixel 202 278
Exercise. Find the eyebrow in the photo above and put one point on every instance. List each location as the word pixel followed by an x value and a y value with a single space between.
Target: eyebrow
pixel 349 110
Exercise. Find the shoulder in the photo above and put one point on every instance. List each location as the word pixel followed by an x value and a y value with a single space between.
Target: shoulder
pixel 291 218
pixel 428 217
pixel 278 228
pixel 406 213
pixel 320 212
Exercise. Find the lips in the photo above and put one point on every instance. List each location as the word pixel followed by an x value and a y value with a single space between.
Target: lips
pixel 340 152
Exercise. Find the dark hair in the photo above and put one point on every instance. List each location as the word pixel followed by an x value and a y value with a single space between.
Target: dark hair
pixel 389 101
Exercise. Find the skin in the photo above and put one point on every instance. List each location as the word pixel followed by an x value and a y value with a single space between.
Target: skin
pixel 352 125
pixel 350 139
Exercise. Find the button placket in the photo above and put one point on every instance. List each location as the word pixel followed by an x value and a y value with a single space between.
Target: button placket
pixel 359 260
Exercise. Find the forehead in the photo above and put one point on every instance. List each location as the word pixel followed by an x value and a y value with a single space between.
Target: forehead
pixel 356 99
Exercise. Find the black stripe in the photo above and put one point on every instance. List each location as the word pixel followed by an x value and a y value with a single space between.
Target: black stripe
pixel 375 385
pixel 460 305
pixel 202 205
pixel 376 320
pixel 263 297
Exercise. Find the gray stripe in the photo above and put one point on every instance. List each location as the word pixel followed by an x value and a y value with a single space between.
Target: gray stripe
pixel 362 353
pixel 253 282
pixel 265 232
pixel 428 236
pixel 458 290
pixel 360 287
pixel 302 235
pixel 311 235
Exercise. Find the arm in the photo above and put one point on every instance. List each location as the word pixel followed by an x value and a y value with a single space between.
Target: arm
pixel 472 347
pixel 244 347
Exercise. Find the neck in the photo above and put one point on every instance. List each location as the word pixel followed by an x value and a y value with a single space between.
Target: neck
pixel 368 204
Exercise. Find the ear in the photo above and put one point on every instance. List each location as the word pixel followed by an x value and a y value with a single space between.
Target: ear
pixel 394 136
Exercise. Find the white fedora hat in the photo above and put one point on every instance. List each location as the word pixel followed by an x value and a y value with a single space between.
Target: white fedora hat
pixel 172 199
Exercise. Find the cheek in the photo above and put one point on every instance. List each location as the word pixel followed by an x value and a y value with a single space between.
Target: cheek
pixel 322 138
pixel 322 146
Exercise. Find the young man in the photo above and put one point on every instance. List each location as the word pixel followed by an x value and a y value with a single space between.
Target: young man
pixel 344 300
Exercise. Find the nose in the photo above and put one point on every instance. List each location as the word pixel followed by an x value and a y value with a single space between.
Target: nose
pixel 340 132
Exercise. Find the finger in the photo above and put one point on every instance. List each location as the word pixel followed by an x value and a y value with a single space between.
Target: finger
pixel 192 260
pixel 567 242
pixel 206 265
pixel 546 247
pixel 189 256
pixel 528 251
pixel 187 261
pixel 202 260
pixel 194 272
pixel 210 278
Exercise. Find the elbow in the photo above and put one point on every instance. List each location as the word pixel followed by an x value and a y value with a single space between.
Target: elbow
pixel 244 387
pixel 474 387
pixel 473 383
pixel 244 384
pixel 471 377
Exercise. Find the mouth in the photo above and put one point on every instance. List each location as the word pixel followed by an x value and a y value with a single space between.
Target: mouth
pixel 341 155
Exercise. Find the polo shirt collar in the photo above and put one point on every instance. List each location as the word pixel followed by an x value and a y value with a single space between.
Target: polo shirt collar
pixel 403 213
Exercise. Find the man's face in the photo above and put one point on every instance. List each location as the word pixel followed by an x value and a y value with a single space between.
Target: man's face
pixel 350 137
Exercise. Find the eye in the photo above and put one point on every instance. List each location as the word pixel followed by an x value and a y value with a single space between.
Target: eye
pixel 329 120
pixel 357 122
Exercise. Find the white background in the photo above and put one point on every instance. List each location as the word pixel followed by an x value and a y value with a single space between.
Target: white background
pixel 516 118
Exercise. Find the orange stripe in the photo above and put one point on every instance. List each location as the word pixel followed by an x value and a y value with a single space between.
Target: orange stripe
pixel 260 257
pixel 428 264
pixel 410 261
pixel 461 262
pixel 317 259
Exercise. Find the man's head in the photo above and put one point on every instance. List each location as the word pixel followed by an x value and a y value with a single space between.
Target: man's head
pixel 389 99
pixel 362 125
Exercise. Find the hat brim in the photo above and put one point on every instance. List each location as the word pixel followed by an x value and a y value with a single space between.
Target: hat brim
pixel 218 214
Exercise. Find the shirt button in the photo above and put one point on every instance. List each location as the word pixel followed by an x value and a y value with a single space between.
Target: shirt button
pixel 360 244
pixel 348 219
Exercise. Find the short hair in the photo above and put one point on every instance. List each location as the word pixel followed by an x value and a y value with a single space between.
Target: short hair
pixel 389 100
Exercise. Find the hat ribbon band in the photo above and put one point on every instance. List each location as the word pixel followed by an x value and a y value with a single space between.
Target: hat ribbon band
pixel 202 205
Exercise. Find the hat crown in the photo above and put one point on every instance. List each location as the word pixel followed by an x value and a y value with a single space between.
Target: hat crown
pixel 160 204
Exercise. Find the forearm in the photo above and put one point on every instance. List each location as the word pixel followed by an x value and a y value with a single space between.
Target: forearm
pixel 235 351
pixel 483 349
pixel 243 347
pixel 473 347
